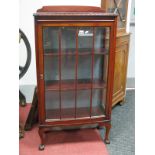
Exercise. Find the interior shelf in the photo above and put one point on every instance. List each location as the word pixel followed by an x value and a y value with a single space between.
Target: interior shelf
pixel 70 113
pixel 51 52
pixel 71 85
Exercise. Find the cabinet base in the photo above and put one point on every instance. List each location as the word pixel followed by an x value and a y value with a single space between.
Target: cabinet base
pixel 43 130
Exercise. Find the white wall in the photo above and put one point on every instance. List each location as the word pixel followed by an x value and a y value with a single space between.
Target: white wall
pixel 131 61
pixel 27 8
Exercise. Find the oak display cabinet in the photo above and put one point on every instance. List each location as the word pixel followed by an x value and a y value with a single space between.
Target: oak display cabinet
pixel 75 66
pixel 122 47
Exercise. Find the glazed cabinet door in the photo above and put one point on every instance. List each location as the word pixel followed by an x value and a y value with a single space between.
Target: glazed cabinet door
pixel 75 64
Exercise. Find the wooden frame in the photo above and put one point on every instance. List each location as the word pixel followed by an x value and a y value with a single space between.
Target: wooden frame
pixel 92 16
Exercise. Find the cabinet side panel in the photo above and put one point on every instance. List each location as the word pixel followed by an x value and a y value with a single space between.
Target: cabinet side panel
pixel 121 62
pixel 39 65
pixel 111 69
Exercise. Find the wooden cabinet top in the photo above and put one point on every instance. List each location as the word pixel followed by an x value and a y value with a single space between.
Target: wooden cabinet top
pixel 72 11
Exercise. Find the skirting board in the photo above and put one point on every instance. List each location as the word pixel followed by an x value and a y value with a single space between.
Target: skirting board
pixel 130 83
pixel 28 90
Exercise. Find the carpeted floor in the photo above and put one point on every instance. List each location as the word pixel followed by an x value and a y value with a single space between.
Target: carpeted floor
pixel 72 142
pixel 76 142
pixel 122 135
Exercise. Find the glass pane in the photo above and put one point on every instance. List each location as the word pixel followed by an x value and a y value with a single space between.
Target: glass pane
pixel 105 68
pixel 84 68
pixel 51 39
pixel 67 71
pixel 85 39
pixel 52 105
pixel 68 67
pixel 68 104
pixel 83 103
pixel 98 102
pixel 121 5
pixel 100 68
pixel 122 9
pixel 68 39
pixel 51 70
pixel 101 40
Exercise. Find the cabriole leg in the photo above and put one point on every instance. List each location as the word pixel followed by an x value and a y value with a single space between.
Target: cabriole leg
pixel 41 134
pixel 106 140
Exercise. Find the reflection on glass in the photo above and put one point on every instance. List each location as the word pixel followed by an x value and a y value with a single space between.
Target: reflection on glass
pixel 100 69
pixel 51 69
pixel 83 103
pixel 68 104
pixel 85 39
pixel 50 39
pixel 68 67
pixel 68 39
pixel 52 105
pixel 98 102
pixel 101 39
pixel 84 68
pixel 120 9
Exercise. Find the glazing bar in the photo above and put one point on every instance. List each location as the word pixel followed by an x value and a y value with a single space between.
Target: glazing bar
pixel 76 70
pixel 104 37
pixel 92 73
pixel 60 70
